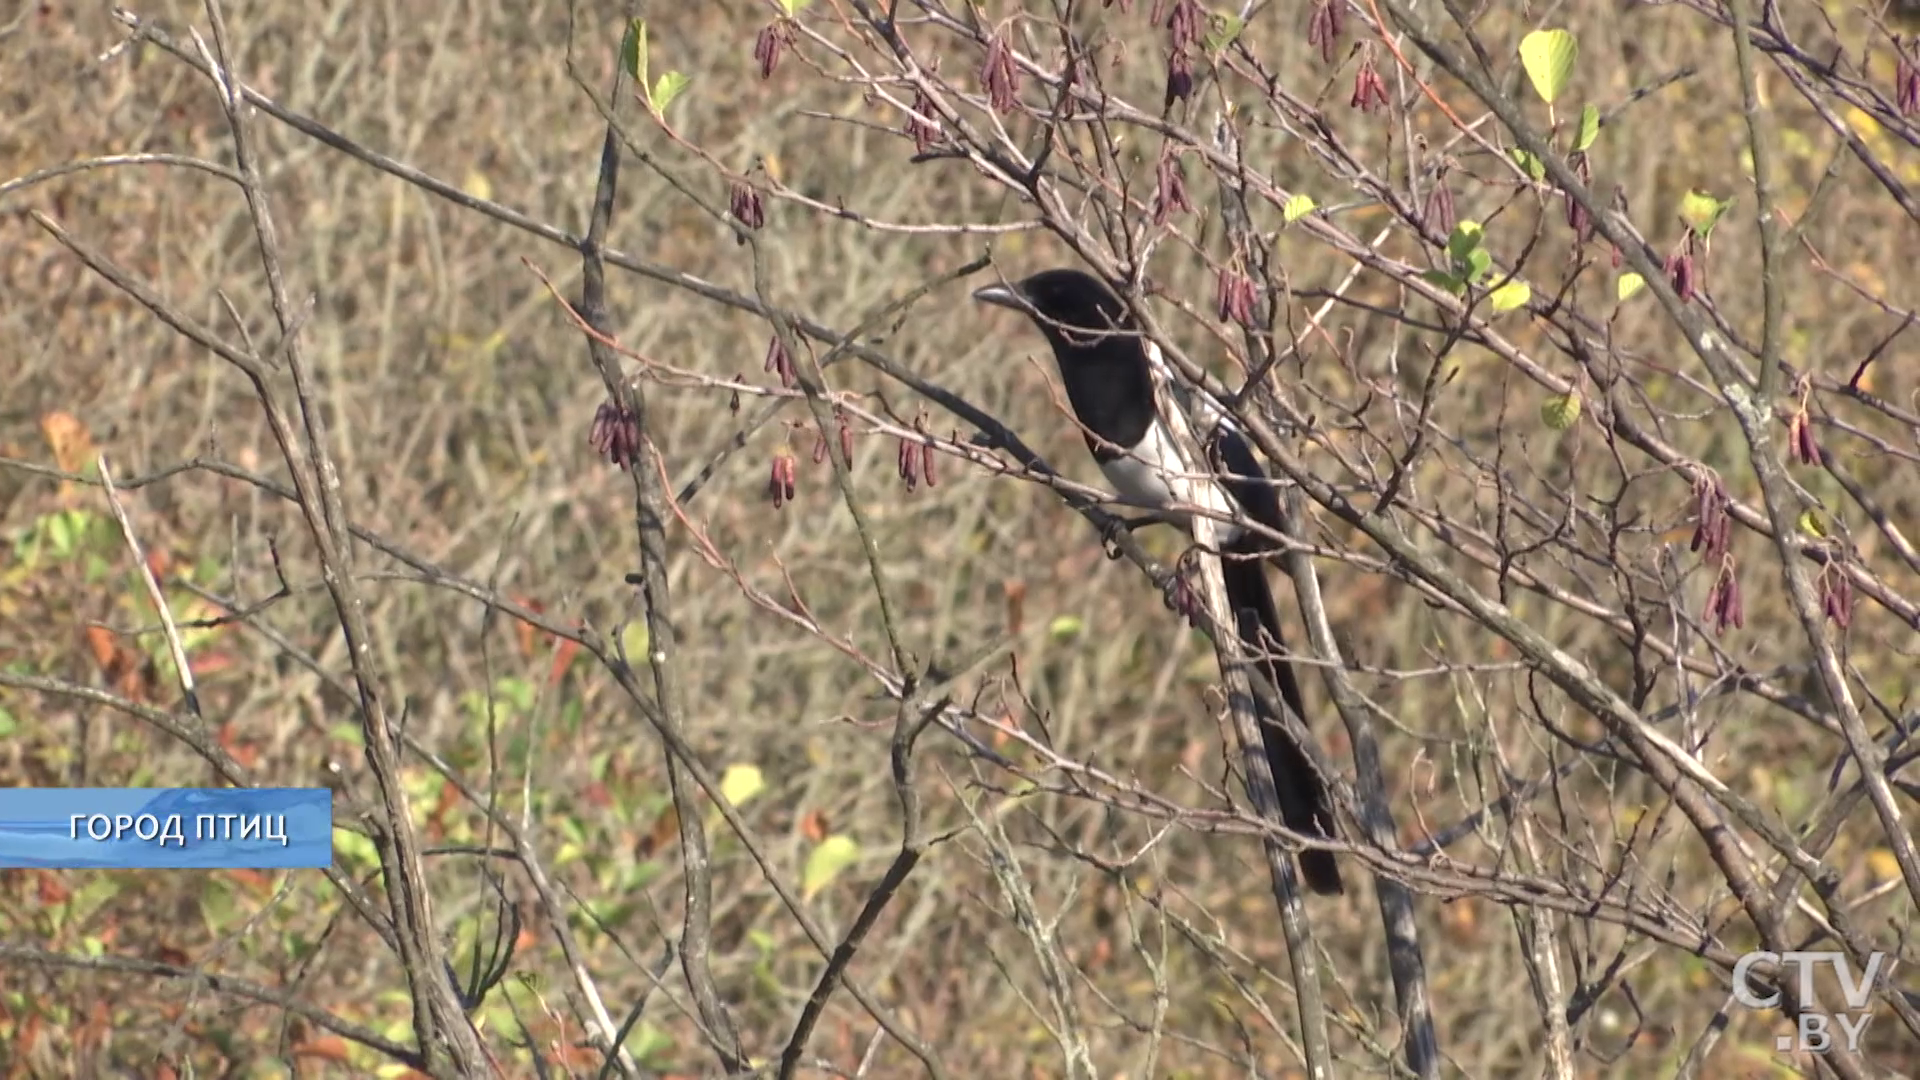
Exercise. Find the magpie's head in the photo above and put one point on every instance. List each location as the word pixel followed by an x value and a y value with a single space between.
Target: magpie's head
pixel 1063 300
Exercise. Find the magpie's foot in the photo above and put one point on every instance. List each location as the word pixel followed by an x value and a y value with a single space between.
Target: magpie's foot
pixel 1181 597
pixel 1112 531
pixel 1188 563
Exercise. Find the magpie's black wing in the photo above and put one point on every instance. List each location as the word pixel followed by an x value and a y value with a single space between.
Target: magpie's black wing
pixel 1305 803
pixel 1242 476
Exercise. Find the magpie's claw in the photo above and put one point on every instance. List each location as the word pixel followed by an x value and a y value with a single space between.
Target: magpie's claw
pixel 1183 599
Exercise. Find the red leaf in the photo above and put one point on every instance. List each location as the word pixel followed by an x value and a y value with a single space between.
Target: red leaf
pixel 52 890
pixel 326 1047
pixel 105 649
pixel 813 826
pixel 563 655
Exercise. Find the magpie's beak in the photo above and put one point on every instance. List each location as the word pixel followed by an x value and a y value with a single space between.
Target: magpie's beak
pixel 1005 296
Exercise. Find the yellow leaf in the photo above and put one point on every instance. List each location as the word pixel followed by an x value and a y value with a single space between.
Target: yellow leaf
pixel 1547 56
pixel 1511 295
pixel 1701 210
pixel 72 445
pixel 634 640
pixel 741 783
pixel 477 185
pixel 1863 122
pixel 1884 866
pixel 824 863
pixel 1560 411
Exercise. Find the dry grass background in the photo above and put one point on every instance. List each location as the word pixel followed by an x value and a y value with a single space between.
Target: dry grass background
pixel 460 404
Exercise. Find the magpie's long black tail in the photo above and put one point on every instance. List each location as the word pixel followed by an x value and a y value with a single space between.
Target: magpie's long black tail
pixel 1305 804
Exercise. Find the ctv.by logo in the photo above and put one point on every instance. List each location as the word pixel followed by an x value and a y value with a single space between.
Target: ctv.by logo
pixel 1813 1032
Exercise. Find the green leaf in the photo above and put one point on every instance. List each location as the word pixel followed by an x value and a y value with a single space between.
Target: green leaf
pixel 648 1042
pixel 633 52
pixel 355 851
pixel 1478 263
pixel 824 863
pixel 217 904
pixel 1701 211
pixel 1560 411
pixel 26 549
pixel 1812 524
pixel 1628 284
pixel 1297 207
pixel 634 639
pixel 517 692
pixel 1465 238
pixel 666 88
pixel 1589 128
pixel 1066 627
pixel 740 783
pixel 1534 169
pixel 1547 55
pixel 1511 295
pixel 60 534
pixel 91 897
pixel 8 725
pixel 1226 29
pixel 1443 279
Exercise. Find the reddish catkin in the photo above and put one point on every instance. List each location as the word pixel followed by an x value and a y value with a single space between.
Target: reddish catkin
pixel 1438 215
pixel 773 39
pixel 1369 89
pixel 1000 77
pixel 1836 596
pixel 921 126
pixel 1806 449
pixel 778 360
pixel 1235 296
pixel 745 206
pixel 1713 529
pixel 1578 219
pixel 907 463
pixel 1323 28
pixel 1170 187
pixel 782 479
pixel 1179 78
pixel 1679 271
pixel 1724 606
pixel 615 434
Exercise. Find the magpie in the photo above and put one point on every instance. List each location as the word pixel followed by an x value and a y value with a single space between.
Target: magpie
pixel 1112 374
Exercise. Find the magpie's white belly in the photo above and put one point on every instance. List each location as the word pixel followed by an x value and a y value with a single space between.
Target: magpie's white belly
pixel 1138 483
pixel 1150 477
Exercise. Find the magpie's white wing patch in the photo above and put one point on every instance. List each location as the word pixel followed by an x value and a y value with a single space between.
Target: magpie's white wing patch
pixel 1144 473
pixel 1151 473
